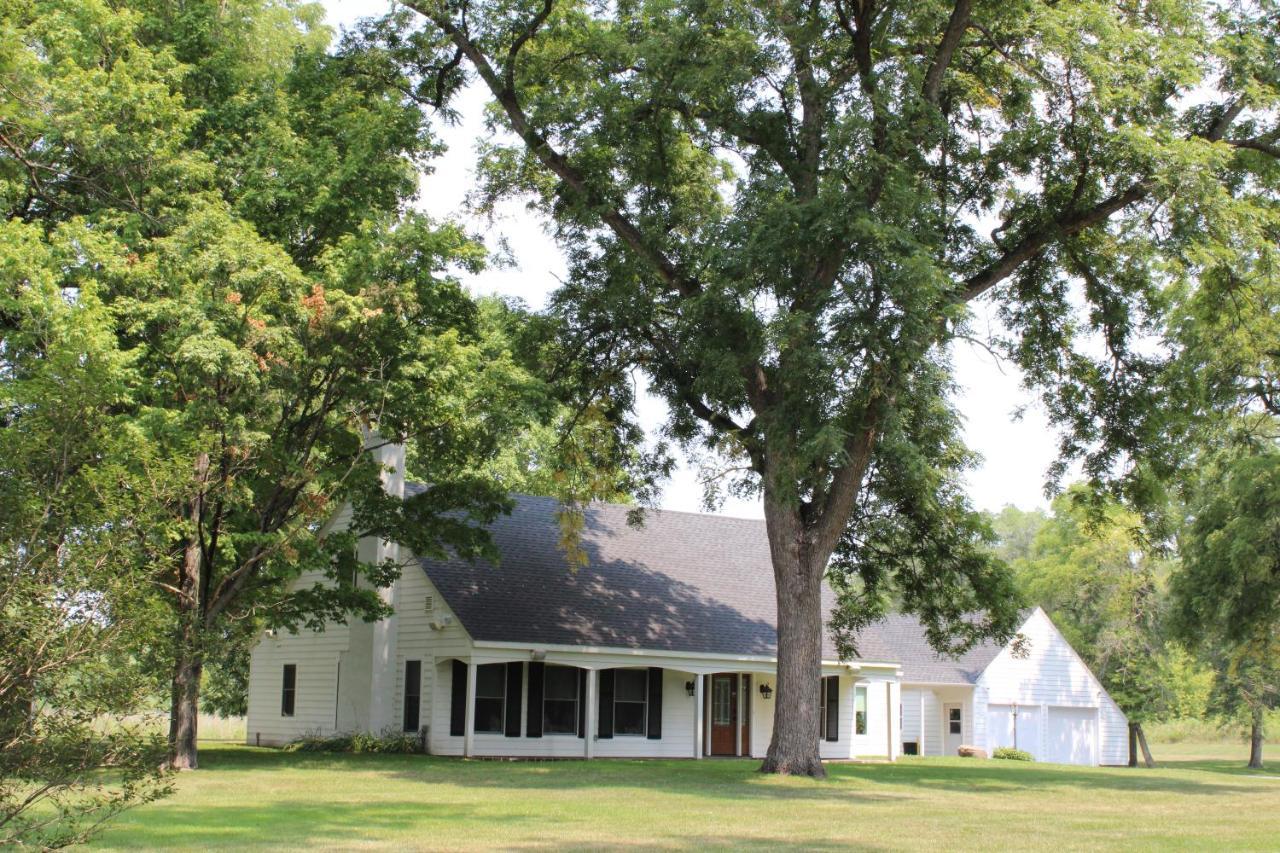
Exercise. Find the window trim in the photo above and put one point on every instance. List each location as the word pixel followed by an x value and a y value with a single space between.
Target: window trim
pixel 644 703
pixel 502 702
pixel 861 724
pixel 577 709
pixel 289 690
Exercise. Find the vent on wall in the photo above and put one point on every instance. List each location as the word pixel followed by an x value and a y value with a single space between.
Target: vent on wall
pixel 429 605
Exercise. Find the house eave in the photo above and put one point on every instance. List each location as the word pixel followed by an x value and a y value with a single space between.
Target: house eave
pixel 718 657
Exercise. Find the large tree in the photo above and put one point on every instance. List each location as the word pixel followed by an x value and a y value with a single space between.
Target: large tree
pixel 781 211
pixel 1227 592
pixel 281 311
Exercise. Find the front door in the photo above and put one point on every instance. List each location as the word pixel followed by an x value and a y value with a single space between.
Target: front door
pixel 953 728
pixel 724 713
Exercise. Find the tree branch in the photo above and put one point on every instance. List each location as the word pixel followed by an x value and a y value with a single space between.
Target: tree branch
pixel 946 49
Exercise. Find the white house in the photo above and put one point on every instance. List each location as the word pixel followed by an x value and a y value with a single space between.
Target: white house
pixel 663 645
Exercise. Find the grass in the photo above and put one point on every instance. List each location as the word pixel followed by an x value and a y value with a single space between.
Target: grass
pixel 246 798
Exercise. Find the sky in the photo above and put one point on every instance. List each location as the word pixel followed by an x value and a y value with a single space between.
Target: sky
pixel 1016 452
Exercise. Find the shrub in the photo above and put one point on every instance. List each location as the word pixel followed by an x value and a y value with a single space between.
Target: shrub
pixel 361 742
pixel 1011 754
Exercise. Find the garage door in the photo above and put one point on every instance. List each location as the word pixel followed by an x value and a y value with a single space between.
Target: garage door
pixel 1071 736
pixel 1011 725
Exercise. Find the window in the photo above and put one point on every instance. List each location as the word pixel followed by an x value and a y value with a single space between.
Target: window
pixel 722 701
pixel 491 697
pixel 288 689
pixel 630 700
pixel 412 694
pixel 953 721
pixel 829 708
pixel 560 701
pixel 860 710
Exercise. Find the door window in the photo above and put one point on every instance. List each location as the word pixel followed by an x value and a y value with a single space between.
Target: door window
pixel 721 704
pixel 953 721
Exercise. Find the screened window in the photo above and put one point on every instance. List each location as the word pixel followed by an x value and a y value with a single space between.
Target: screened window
pixel 288 689
pixel 860 710
pixel 630 701
pixel 491 697
pixel 560 701
pixel 412 694
pixel 953 721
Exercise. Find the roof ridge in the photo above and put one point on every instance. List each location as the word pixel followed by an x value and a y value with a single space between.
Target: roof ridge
pixel 628 507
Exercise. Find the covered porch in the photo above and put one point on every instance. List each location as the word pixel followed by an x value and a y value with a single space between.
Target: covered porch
pixel 937 719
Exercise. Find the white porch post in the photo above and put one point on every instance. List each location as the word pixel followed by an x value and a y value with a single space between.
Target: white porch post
pixel 742 704
pixel 923 727
pixel 589 731
pixel 697 715
pixel 469 728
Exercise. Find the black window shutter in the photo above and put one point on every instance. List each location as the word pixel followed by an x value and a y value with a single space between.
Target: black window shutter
pixel 458 700
pixel 605 727
pixel 655 703
pixel 533 726
pixel 582 703
pixel 833 708
pixel 515 674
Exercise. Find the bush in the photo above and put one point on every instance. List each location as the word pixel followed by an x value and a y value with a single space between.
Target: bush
pixel 361 742
pixel 1011 754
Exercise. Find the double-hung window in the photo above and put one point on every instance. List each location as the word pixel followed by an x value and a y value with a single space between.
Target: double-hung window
pixel 630 701
pixel 860 709
pixel 491 697
pixel 560 700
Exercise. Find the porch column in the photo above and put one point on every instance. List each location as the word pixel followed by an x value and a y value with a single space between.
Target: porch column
pixel 592 711
pixel 923 727
pixel 742 705
pixel 697 715
pixel 469 727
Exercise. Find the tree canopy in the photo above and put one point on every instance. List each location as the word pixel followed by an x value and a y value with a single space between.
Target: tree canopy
pixel 781 212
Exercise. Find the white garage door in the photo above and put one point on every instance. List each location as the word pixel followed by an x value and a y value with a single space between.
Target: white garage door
pixel 1020 730
pixel 1071 736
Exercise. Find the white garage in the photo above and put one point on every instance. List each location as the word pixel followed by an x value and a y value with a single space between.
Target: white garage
pixel 1033 694
pixel 1071 736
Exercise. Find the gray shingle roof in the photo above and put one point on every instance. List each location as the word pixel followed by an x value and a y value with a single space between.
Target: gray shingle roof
pixel 683 582
pixel 921 664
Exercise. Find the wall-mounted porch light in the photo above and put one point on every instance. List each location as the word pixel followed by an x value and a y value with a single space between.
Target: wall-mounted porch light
pixel 766 691
pixel 688 687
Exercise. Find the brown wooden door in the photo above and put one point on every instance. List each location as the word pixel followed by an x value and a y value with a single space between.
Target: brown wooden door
pixel 724 713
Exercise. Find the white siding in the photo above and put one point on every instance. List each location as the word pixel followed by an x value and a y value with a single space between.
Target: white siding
pixel 316 655
pixel 910 713
pixel 417 640
pixel 1052 674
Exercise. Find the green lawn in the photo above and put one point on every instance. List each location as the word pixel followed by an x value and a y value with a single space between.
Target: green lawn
pixel 259 798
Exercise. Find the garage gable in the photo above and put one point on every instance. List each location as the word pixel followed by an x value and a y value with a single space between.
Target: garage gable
pixel 1044 692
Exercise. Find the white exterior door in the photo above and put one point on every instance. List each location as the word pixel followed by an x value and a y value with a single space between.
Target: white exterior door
pixel 1071 736
pixel 952 727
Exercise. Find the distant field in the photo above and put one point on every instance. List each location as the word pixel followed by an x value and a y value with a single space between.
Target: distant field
pixel 1202 797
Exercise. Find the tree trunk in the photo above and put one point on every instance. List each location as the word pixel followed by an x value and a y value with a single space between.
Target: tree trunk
pixel 1255 740
pixel 1133 744
pixel 1147 760
pixel 796 714
pixel 188 650
pixel 184 716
